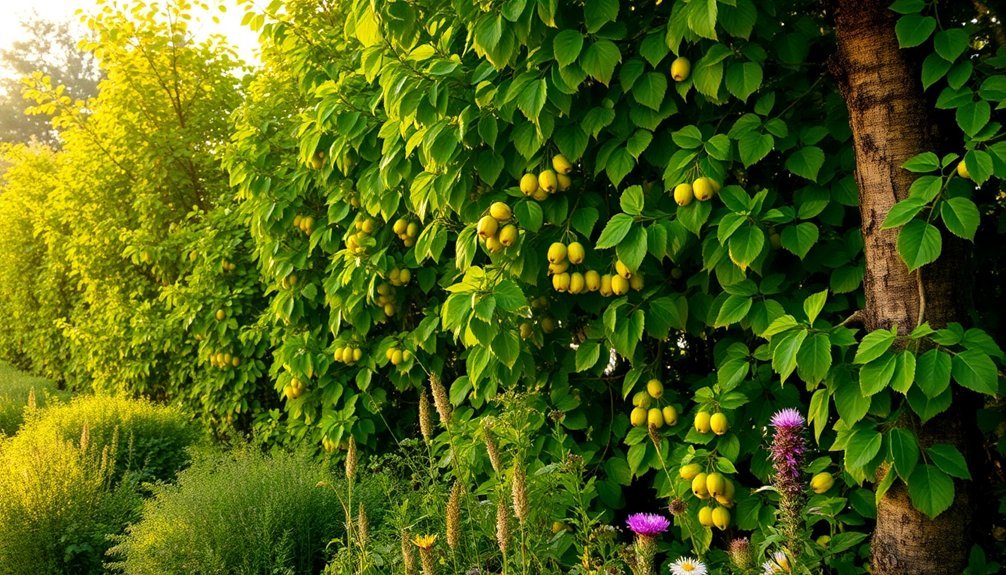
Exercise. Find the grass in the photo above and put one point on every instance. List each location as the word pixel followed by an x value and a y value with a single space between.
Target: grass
pixel 16 389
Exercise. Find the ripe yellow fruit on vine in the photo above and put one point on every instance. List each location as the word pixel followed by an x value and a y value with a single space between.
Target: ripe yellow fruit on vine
pixel 575 252
pixel 715 483
pixel 654 418
pixel 638 417
pixel 540 195
pixel 220 315
pixel 641 399
pixel 500 211
pixel 560 282
pixel 526 330
pixel 622 270
pixel 718 423
pixel 636 282
pixel 683 194
pixel 235 362
pixel 297 219
pixel 726 498
pixel 557 252
pixel 487 227
pixel 962 170
pixel 592 279
pixel 655 388
pixel 605 288
pixel 721 518
pixel 307 224
pixel 368 226
pixel 412 230
pixel 547 181
pixel 396 357
pixel 680 68
pixel 357 354
pixel 565 182
pixel 670 415
pixel 706 516
pixel 561 164
pixel 704 188
pixel 559 267
pixel 688 472
pixel 576 283
pixel 389 352
pixel 389 309
pixel 406 355
pixel 404 276
pixel 528 184
pixel 702 422
pixel 401 225
pixel 699 486
pixel 493 244
pixel 619 285
pixel 508 235
pixel 822 482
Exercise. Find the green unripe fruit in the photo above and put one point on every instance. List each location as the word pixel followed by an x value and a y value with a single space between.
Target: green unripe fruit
pixel 641 399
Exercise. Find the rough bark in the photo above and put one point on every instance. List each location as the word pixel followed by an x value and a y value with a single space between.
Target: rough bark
pixel 890 124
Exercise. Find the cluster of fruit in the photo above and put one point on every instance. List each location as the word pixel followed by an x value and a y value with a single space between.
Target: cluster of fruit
pixel 702 189
pixel 229 266
pixel 495 229
pixel 364 226
pixel 648 410
pixel 711 487
pixel 539 306
pixel 548 181
pixel 399 276
pixel 560 256
pixel 294 389
pixel 714 422
pixel 304 223
pixel 406 231
pixel 348 354
pixel 397 355
pixel 223 360
pixel 386 294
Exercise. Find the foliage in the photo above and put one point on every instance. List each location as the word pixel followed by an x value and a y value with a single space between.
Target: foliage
pixel 60 504
pixel 242 513
pixel 152 440
pixel 20 392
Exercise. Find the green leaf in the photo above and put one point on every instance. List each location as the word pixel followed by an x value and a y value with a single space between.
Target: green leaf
pixel 666 313
pixel 875 344
pixel 649 90
pixel 908 6
pixel 746 244
pixel 632 200
pixel 799 238
pixel 923 163
pixel 806 162
pixel 509 296
pixel 702 18
pixel 529 215
pixel 951 43
pixel 949 459
pixel 933 372
pixel 619 164
pixel 632 249
pixel 875 376
pixel 600 59
pixel 973 116
pixel 903 212
pixel 688 137
pixel 613 233
pixel 926 188
pixel 707 74
pixel 904 451
pixel 785 352
pixel 734 309
pixel 813 305
pixel 974 370
pixel 587 355
pixel 919 243
pixel 904 372
pixel 814 359
pixel 931 490
pixel 743 79
pixel 566 46
pixel 694 215
pixel 933 68
pixel 598 13
pixel 753 147
pixel 852 405
pixel 961 217
pixel 929 407
pixel 914 29
pixel 718 147
pixel 864 444
pixel 980 165
pixel 532 98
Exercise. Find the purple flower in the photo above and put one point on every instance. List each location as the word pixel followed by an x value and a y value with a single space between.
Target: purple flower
pixel 647 524
pixel 788 448
pixel 788 418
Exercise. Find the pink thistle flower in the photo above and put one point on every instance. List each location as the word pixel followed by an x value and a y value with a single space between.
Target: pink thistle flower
pixel 647 524
pixel 788 448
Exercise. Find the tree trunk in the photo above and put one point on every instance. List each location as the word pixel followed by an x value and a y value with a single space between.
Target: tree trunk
pixel 890 124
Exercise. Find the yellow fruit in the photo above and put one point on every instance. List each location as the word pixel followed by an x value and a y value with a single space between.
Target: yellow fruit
pixel 396 357
pixel 962 170
pixel 721 518
pixel 575 252
pixel 500 211
pixel 357 354
pixel 670 415
pixel 288 391
pixel 706 516
pixel 390 352
pixel 561 164
pixel 702 422
pixel 688 472
pixel 718 423
pixel 406 355
pixel 558 526
pixel 655 388
pixel 715 483
pixel 493 244
pixel 654 418
pixel 592 279
pixel 318 160
pixel 526 330
pixel 622 269
pixel 704 188
pixel 487 227
pixel 236 361
pixel 220 315
pixel 638 417
pixel 683 194
pixel 726 498
pixel 547 181
pixel 619 285
pixel 307 224
pixel 557 253
pixel 576 283
pixel 641 399
pixel 680 68
pixel 508 235
pixel 540 195
pixel 565 182
pixel 389 309
pixel 548 325
pixel 401 225
pixel 823 540
pixel 822 482
pixel 412 230
pixel 636 282
pixel 699 486
pixel 606 285
pixel 404 277
pixel 528 184
pixel 560 282
pixel 297 220
pixel 368 226
pixel 559 267
pixel 384 289
pixel 409 242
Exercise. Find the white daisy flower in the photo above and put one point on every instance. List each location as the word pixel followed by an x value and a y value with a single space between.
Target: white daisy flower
pixel 778 564
pixel 688 566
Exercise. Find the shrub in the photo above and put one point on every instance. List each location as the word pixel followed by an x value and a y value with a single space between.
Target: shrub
pixel 15 396
pixel 153 439
pixel 242 513
pixel 59 504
